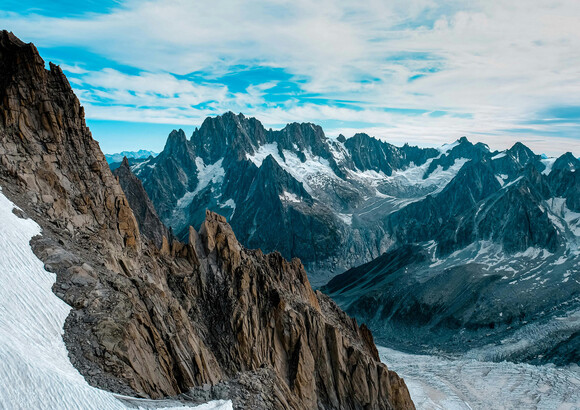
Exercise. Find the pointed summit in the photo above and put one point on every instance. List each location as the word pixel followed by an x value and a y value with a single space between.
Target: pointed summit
pixel 218 134
pixel 125 163
pixel 567 162
pixel 521 153
pixel 18 58
pixel 462 148
pixel 177 147
pixel 176 138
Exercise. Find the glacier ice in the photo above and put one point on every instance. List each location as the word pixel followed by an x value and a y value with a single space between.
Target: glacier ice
pixel 461 383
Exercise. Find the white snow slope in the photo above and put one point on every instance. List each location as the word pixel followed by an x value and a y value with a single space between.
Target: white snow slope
pixel 35 372
pixel 440 383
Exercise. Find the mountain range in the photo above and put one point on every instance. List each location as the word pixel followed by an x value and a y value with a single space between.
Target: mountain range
pixel 490 264
pixel 133 157
pixel 118 157
pixel 326 195
pixel 454 248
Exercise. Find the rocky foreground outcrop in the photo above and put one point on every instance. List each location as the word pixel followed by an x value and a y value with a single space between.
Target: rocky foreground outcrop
pixel 209 319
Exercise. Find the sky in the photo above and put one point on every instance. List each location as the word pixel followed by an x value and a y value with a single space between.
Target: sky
pixel 419 71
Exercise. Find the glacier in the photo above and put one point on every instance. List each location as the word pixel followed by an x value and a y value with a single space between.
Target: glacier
pixel 35 371
pixel 438 383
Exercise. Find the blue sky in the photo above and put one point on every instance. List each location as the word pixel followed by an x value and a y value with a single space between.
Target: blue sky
pixel 419 71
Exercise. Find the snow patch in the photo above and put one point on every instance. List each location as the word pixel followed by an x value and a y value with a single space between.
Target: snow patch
pixel 563 217
pixel 289 197
pixel 338 151
pixel 413 176
pixel 314 172
pixel 515 181
pixel 230 203
pixel 213 173
pixel 370 175
pixel 346 218
pixel 561 260
pixel 502 178
pixel 262 152
pixel 549 163
pixel 137 168
pixel 35 371
pixel 532 253
pixel 498 156
pixel 379 194
pixel 447 147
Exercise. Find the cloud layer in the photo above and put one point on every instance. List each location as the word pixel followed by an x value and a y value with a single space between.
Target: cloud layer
pixel 419 71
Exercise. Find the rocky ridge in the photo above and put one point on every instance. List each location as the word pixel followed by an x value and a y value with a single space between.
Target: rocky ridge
pixel 149 223
pixel 156 322
pixel 316 188
pixel 346 201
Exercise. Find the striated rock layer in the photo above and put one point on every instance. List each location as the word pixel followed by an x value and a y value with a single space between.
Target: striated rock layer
pixel 209 318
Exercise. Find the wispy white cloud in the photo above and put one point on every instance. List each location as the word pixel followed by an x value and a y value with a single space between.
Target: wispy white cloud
pixel 160 90
pixel 503 63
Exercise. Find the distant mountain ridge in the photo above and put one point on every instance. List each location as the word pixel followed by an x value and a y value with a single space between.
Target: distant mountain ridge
pixel 298 180
pixel 488 264
pixel 118 157
pixel 337 197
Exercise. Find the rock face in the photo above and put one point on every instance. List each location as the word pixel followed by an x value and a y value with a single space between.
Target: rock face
pixel 149 223
pixel 372 154
pixel 47 148
pixel 209 315
pixel 476 206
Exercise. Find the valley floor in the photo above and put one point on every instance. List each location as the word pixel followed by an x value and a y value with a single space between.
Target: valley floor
pixel 440 383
